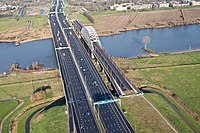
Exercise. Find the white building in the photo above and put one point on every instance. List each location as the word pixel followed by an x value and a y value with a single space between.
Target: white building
pixel 195 3
pixel 163 5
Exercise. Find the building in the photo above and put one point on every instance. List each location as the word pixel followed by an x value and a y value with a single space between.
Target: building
pixel 163 5
pixel 195 3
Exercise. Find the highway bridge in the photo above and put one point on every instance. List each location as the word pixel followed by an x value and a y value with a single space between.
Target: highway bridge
pixel 91 106
pixel 120 82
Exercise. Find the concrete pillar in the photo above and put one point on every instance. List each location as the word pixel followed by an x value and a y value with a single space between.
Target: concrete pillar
pixel 97 62
pixel 103 70
pixel 92 55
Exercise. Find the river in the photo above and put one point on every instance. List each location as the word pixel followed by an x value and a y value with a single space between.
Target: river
pixel 127 44
pixel 176 39
pixel 41 51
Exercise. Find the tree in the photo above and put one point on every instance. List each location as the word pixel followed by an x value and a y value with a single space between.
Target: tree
pixel 146 40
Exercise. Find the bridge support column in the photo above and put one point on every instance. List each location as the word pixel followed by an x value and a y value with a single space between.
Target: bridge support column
pixel 92 55
pixel 97 62
pixel 103 70
pixel 79 36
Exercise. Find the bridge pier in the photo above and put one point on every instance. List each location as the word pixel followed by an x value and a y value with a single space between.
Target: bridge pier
pixel 97 62
pixel 92 55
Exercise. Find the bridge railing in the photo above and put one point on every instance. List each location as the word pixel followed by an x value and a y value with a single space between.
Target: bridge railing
pixel 116 66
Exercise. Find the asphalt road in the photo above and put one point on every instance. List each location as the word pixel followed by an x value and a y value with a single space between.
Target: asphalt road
pixel 110 115
pixel 79 109
pixel 76 69
pixel 28 121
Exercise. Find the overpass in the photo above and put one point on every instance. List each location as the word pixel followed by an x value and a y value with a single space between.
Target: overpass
pixel 118 79
pixel 82 84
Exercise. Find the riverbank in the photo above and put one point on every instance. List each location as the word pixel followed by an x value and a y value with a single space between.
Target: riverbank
pixel 25 41
pixel 20 31
pixel 125 21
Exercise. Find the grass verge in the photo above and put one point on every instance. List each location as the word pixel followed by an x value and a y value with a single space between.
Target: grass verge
pixel 168 113
pixel 51 121
pixel 5 129
pixel 6 107
pixel 22 120
pixel 143 117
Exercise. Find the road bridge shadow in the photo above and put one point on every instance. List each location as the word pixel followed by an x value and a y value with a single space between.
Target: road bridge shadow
pixel 58 102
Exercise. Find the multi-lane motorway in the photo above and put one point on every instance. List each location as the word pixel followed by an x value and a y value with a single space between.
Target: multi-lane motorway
pixel 82 83
pixel 80 113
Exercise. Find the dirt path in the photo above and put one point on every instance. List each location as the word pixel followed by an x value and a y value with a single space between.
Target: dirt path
pixel 182 116
pixel 160 115
pixel 169 66
pixel 5 117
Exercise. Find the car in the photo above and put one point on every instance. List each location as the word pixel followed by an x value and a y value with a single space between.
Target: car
pixel 87 113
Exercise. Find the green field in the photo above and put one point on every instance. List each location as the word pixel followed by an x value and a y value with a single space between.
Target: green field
pixel 143 117
pixel 54 120
pixel 165 109
pixel 20 77
pixel 23 84
pixel 183 81
pixel 27 102
pixel 7 24
pixel 163 60
pixel 6 107
pixel 79 17
pixel 179 73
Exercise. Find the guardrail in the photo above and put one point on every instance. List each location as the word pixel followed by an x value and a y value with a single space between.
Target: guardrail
pixel 116 66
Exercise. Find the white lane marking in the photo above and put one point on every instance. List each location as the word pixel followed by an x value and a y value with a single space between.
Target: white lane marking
pixel 69 28
pixel 60 48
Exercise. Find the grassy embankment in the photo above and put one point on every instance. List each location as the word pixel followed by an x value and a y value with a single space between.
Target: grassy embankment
pixel 143 117
pixel 5 107
pixel 178 73
pixel 27 102
pixel 7 24
pixel 22 85
pixel 51 121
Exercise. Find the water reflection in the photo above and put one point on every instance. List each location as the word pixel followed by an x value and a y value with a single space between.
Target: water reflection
pixel 176 39
pixel 41 51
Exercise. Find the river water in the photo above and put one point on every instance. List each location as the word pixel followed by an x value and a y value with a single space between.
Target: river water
pixel 127 44
pixel 41 51
pixel 176 39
